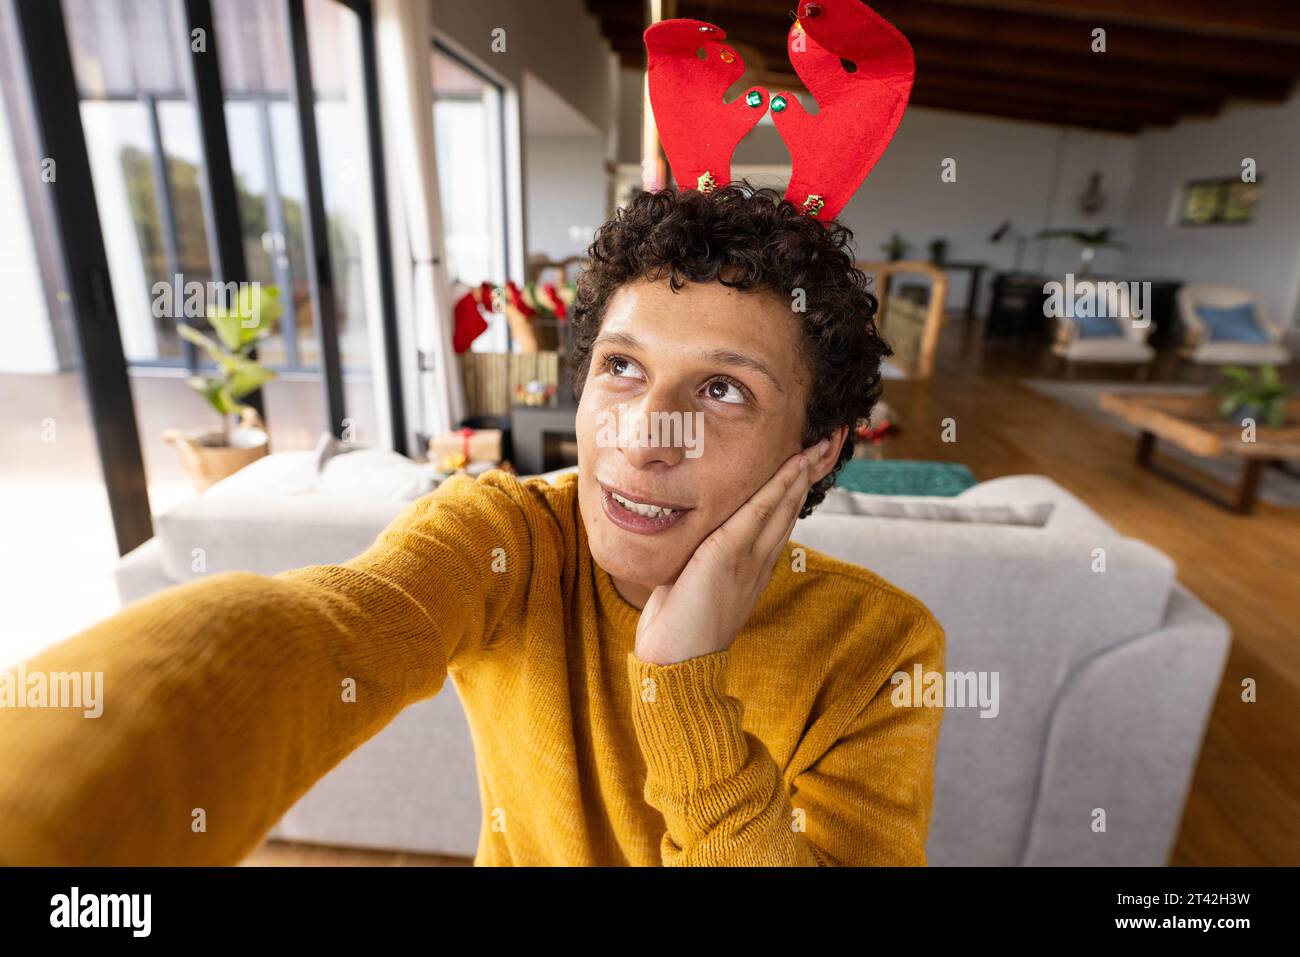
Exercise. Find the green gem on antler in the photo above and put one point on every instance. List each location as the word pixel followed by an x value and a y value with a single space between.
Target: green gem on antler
pixel 813 204
pixel 706 182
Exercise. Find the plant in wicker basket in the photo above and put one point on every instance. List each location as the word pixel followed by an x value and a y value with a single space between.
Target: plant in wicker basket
pixel 239 328
pixel 209 455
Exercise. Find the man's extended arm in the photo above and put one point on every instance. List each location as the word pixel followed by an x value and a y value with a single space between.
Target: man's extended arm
pixel 226 699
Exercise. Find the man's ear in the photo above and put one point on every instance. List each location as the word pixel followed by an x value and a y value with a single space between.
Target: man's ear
pixel 837 439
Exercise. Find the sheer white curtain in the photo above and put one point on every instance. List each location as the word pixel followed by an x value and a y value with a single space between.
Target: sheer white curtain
pixel 405 39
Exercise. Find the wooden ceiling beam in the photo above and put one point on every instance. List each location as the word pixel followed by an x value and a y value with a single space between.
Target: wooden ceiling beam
pixel 1264 19
pixel 1035 33
pixel 1018 61
pixel 1086 71
pixel 961 103
pixel 1102 100
pixel 1083 70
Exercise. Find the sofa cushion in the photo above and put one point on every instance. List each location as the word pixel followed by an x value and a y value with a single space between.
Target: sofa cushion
pixel 841 501
pixel 1232 323
pixel 904 477
pixel 1098 327
pixel 344 469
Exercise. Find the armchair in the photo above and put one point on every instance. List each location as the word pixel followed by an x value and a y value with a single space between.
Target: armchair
pixel 1201 347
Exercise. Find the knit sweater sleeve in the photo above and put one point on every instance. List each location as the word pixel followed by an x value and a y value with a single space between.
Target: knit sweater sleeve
pixel 226 699
pixel 865 801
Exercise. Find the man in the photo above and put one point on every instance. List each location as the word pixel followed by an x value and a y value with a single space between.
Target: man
pixel 652 673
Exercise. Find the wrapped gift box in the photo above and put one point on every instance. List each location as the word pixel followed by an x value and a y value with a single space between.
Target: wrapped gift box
pixel 474 445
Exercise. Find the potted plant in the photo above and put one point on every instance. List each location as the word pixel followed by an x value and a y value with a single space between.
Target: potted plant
pixel 1090 241
pixel 1261 398
pixel 938 251
pixel 209 455
pixel 897 247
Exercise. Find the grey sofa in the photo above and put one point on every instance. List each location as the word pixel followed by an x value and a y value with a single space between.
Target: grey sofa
pixel 1105 677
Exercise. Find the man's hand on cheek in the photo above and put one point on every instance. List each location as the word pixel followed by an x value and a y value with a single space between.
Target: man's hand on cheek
pixel 713 597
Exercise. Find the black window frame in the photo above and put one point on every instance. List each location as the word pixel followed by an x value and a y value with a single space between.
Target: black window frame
pixel 52 88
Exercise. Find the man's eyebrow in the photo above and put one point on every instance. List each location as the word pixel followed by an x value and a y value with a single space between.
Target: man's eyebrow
pixel 725 357
pixel 728 358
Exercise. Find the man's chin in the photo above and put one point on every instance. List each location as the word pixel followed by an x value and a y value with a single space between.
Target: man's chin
pixel 635 564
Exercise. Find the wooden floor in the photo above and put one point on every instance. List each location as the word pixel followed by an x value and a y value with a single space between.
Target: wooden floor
pixel 1244 806
pixel 285 854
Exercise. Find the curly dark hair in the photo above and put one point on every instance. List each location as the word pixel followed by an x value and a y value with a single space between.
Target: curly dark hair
pixel 749 239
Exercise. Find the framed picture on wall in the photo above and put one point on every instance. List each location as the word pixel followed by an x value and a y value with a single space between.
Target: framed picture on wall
pixel 1208 202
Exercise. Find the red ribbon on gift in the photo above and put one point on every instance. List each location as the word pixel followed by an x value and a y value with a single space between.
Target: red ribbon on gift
pixel 465 436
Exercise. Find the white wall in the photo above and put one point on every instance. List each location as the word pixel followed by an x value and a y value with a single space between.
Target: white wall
pixel 556 65
pixel 1264 255
pixel 566 193
pixel 1029 173
pixel 556 40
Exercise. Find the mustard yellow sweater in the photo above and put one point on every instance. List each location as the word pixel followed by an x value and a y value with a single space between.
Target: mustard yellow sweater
pixel 226 699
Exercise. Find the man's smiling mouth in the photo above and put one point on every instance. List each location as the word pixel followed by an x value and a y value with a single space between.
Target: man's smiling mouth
pixel 634 500
pixel 649 511
pixel 640 513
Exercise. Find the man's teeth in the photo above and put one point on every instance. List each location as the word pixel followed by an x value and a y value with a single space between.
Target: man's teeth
pixel 649 511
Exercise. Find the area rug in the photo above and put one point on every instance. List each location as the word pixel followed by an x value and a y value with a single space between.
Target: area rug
pixel 1275 486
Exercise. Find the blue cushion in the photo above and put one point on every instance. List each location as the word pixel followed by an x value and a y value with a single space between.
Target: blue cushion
pixel 904 477
pixel 1098 327
pixel 1233 324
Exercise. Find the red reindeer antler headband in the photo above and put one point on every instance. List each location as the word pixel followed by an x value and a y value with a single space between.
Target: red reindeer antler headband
pixel 856 64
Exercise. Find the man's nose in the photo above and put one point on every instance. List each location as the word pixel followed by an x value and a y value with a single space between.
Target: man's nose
pixel 652 429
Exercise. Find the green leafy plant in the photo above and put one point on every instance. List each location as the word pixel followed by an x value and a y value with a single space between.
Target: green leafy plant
pixel 239 327
pixel 1263 396
pixel 1090 241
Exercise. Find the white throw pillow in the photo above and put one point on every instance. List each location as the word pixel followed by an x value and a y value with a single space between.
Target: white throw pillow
pixel 934 508
pixel 371 473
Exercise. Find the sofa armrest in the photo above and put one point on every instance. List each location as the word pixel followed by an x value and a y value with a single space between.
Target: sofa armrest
pixel 1125 737
pixel 140 572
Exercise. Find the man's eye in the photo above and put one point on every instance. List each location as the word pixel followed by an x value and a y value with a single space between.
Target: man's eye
pixel 724 390
pixel 617 365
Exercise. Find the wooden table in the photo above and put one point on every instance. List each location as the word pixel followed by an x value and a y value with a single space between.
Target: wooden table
pixel 1194 424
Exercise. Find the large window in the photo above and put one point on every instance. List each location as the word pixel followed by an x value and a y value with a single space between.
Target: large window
pixel 267 154
pixel 468 128
pixel 290 91
pixel 142 139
